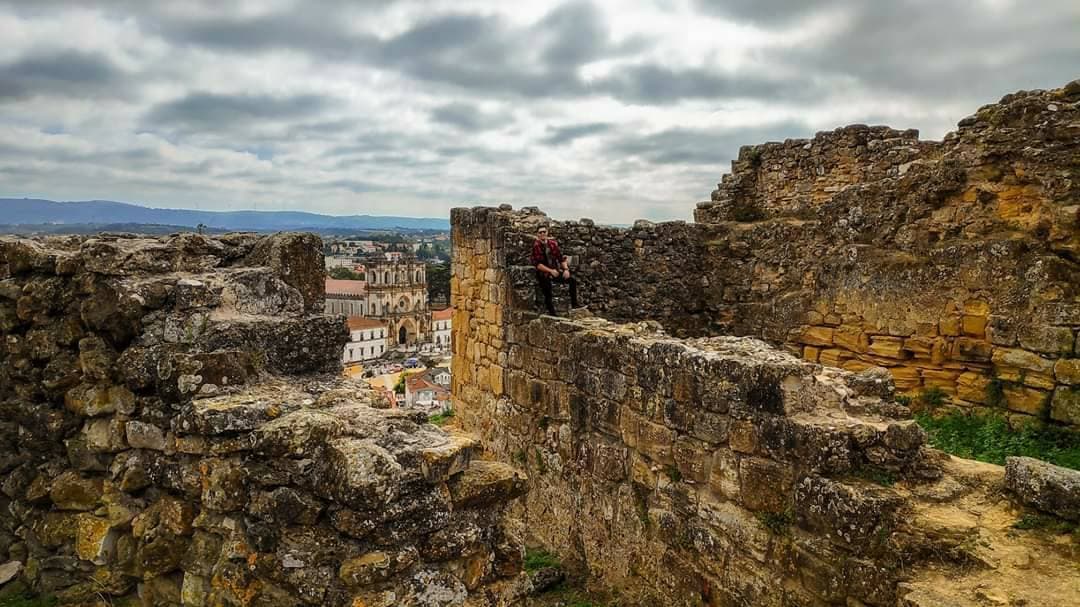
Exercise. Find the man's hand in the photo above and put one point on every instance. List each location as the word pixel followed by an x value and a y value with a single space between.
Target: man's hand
pixel 554 273
pixel 566 274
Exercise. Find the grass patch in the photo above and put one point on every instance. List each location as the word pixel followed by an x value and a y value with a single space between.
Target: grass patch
pixel 778 523
pixel 933 397
pixel 25 600
pixel 536 559
pixel 990 439
pixel 673 473
pixel 441 418
pixel 1050 524
pixel 995 393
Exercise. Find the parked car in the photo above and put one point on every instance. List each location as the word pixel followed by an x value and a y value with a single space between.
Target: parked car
pixel 411 363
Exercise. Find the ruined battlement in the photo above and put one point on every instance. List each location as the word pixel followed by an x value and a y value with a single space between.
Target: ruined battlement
pixel 728 424
pixel 174 430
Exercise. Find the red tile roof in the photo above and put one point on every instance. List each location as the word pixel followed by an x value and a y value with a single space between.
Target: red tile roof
pixel 357 323
pixel 345 287
pixel 446 314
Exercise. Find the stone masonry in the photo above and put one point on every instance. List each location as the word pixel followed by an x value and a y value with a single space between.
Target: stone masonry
pixel 681 468
pixel 174 430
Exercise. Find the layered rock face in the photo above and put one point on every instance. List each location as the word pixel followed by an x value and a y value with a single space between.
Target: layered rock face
pixel 173 428
pixel 955 265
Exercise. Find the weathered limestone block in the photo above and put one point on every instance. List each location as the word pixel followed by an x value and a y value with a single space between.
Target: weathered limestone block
pixel 485 483
pixel 90 401
pixel 1022 359
pixel 1026 400
pixel 71 491
pixel 765 485
pixel 1047 339
pixel 888 347
pixel 818 336
pixel 850 516
pixel 1065 406
pixel 363 475
pixel 141 435
pixel 1067 371
pixel 1045 486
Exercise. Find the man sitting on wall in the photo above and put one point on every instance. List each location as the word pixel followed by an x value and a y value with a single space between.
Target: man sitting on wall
pixel 551 267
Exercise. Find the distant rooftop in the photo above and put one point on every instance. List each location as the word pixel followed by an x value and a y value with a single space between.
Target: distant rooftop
pixel 345 287
pixel 359 323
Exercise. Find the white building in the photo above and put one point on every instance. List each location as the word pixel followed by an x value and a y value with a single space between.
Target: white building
pixel 440 328
pixel 367 340
pixel 424 394
pixel 337 261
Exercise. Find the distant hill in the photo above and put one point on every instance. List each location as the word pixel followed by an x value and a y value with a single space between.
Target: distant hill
pixel 28 211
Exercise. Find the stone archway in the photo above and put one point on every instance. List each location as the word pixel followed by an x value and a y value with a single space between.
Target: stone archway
pixel 406 332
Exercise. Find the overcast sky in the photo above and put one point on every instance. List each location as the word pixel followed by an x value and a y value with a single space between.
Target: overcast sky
pixel 610 110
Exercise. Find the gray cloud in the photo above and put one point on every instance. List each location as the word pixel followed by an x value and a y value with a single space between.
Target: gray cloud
pixel 353 185
pixel 945 49
pixel 63 73
pixel 468 117
pixel 566 134
pixel 308 30
pixel 202 111
pixel 684 146
pixel 659 85
pixel 769 12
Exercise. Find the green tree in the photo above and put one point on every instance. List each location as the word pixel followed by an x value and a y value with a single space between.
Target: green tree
pixel 345 274
pixel 438 282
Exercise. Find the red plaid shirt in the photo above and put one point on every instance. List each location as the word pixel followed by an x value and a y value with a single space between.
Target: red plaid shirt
pixel 538 253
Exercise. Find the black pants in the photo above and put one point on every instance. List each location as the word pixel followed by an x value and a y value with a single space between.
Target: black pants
pixel 545 286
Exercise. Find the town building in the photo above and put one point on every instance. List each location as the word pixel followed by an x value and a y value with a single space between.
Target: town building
pixel 367 340
pixel 346 297
pixel 341 261
pixel 421 392
pixel 394 292
pixel 354 247
pixel 440 328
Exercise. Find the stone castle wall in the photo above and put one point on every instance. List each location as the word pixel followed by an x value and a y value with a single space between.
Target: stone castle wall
pixel 719 471
pixel 174 429
pixel 705 471
pixel 796 176
pixel 956 265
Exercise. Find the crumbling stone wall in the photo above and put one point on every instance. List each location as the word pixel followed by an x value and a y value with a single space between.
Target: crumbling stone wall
pixel 952 264
pixel 652 270
pixel 955 265
pixel 718 470
pixel 797 175
pixel 173 427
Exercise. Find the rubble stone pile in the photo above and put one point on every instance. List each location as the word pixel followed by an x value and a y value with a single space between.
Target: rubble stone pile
pixel 174 431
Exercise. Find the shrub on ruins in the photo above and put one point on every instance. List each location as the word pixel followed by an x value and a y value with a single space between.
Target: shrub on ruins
pixel 989 438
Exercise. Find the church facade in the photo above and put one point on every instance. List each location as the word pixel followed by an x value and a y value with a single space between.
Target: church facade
pixel 393 292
